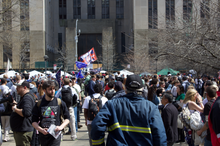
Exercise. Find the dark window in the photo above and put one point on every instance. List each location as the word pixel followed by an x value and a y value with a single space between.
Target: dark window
pixel 152 14
pixel 91 9
pixel 7 53
pixel 60 41
pixel 153 49
pixel 105 9
pixel 119 9
pixel 88 41
pixel 204 11
pixel 187 10
pixel 122 42
pixel 76 9
pixel 24 15
pixel 25 51
pixel 62 9
pixel 170 11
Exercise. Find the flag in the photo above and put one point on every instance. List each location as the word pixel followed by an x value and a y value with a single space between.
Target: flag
pixel 88 57
pixel 80 75
pixel 80 65
pixel 8 66
pixel 58 77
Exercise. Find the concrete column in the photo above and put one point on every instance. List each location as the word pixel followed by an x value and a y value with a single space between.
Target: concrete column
pixel 16 49
pixel 69 9
pixel 112 7
pixel 98 9
pixel 179 13
pixel 70 46
pixel 161 8
pixel 37 47
pixel 1 56
pixel 107 48
pixel 140 14
pixel 16 20
pixel 84 8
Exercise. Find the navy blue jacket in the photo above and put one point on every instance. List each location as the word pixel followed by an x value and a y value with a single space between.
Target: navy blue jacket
pixel 119 94
pixel 130 120
pixel 90 88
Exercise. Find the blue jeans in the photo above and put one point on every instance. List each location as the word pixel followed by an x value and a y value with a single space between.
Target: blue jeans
pixel 207 143
pixel 76 122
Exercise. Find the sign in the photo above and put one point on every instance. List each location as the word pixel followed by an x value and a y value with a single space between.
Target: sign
pixel 54 67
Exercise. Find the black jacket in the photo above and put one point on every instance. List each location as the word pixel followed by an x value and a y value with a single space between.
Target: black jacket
pixel 169 116
pixel 19 123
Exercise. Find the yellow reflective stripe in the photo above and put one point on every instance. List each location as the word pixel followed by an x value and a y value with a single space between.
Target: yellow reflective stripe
pixel 129 128
pixel 114 126
pixel 97 142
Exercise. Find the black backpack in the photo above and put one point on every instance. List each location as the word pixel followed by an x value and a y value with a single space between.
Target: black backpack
pixel 95 104
pixel 16 97
pixel 67 96
pixel 109 94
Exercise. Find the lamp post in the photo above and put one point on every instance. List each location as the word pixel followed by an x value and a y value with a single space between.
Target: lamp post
pixel 156 64
pixel 45 59
pixel 76 39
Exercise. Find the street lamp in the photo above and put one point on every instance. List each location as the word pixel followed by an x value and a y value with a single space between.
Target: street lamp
pixel 46 59
pixel 76 39
pixel 156 64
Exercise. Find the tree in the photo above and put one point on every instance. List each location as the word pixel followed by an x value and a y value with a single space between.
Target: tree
pixel 108 47
pixel 193 40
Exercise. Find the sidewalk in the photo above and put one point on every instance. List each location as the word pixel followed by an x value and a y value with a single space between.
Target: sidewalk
pixel 82 137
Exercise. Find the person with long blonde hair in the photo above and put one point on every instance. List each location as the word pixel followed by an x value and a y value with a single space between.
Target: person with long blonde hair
pixel 192 98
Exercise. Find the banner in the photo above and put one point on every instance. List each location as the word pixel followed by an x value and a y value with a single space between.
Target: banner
pixel 79 75
pixel 80 65
pixel 88 57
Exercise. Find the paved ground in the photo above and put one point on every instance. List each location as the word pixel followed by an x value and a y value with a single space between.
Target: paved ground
pixel 83 139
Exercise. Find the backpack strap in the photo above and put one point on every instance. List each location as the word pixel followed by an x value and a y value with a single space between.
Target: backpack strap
pixel 100 102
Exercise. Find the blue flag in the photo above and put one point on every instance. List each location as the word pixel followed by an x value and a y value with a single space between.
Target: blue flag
pixel 58 77
pixel 80 65
pixel 80 75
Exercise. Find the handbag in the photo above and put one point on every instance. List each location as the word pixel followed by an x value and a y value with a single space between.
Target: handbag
pixel 179 123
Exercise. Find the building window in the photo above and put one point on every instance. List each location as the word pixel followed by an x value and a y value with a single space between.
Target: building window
pixel 119 9
pixel 170 11
pixel 7 53
pixel 122 42
pixel 153 49
pixel 76 9
pixel 187 10
pixel 60 41
pixel 91 9
pixel 62 9
pixel 152 14
pixel 24 15
pixel 204 11
pixel 105 9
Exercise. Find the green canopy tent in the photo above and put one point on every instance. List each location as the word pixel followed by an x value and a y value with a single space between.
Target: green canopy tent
pixel 166 70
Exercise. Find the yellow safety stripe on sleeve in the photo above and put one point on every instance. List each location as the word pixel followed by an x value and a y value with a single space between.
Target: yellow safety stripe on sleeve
pixel 129 128
pixel 114 126
pixel 97 142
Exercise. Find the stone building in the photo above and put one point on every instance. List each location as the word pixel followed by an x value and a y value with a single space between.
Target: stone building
pixel 52 24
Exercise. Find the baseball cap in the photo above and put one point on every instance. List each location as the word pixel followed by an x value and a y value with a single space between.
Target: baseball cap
pixel 24 84
pixel 133 82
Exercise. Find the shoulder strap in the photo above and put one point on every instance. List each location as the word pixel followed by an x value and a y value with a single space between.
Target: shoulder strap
pixel 39 102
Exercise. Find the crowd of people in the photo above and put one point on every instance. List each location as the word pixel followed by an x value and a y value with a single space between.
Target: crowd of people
pixel 134 110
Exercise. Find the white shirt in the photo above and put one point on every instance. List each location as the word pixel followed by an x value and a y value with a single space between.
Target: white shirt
pixel 77 87
pixel 173 91
pixel 165 105
pixel 3 90
pixel 86 103
pixel 59 94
